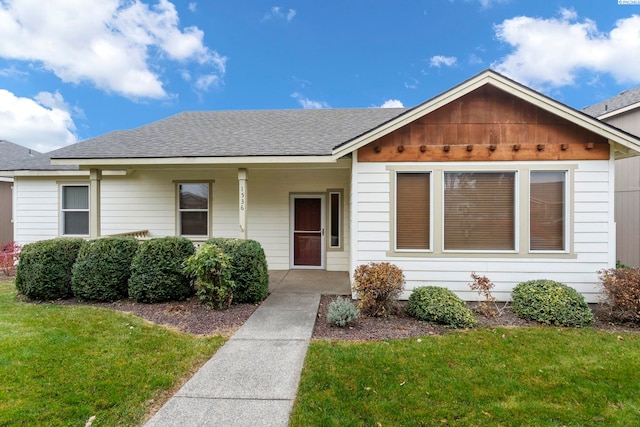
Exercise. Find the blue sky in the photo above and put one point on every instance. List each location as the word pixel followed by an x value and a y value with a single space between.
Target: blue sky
pixel 75 69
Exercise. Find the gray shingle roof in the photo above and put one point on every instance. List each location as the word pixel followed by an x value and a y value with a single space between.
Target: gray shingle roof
pixel 624 99
pixel 235 133
pixel 14 157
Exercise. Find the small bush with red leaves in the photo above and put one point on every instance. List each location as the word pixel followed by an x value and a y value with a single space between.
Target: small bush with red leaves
pixel 622 289
pixel 378 286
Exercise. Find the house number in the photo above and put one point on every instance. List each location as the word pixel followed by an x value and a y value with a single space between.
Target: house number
pixel 242 197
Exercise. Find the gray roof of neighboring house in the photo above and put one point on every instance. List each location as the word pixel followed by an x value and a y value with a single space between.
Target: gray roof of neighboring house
pixel 14 157
pixel 624 99
pixel 235 134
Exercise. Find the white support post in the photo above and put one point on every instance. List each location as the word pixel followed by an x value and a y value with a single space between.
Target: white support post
pixel 95 176
pixel 242 200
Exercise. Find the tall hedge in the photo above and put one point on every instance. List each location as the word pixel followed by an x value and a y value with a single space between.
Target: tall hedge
pixel 249 269
pixel 157 270
pixel 44 268
pixel 103 268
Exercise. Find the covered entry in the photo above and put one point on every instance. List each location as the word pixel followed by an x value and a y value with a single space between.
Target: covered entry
pixel 307 231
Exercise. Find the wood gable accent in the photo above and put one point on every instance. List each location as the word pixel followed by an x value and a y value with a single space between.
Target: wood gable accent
pixel 487 124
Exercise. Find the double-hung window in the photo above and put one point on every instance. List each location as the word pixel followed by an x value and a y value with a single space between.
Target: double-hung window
pixel 479 211
pixel 74 210
pixel 413 211
pixel 547 210
pixel 193 209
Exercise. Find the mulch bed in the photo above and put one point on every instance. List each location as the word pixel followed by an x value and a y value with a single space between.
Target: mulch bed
pixel 192 317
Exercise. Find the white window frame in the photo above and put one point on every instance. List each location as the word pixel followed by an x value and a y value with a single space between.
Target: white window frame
pixel 516 212
pixel 395 215
pixel 566 212
pixel 330 244
pixel 179 211
pixel 64 210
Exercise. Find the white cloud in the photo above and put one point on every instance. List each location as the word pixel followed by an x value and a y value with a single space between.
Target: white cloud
pixel 203 83
pixel 108 43
pixel 486 4
pixel 277 12
pixel 307 103
pixel 439 61
pixel 43 124
pixel 553 51
pixel 392 103
pixel 193 6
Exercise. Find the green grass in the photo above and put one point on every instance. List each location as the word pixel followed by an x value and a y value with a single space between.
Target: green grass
pixel 60 365
pixel 504 377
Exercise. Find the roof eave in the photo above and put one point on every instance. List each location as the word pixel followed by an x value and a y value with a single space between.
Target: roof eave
pixel 177 161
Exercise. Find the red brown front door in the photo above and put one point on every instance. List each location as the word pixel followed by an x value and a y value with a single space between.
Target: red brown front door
pixel 308 231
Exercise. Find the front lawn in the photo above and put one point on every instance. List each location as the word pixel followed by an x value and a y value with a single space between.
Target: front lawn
pixel 61 365
pixel 539 376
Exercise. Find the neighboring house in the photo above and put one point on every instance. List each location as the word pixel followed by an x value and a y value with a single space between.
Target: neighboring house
pixel 623 111
pixel 12 156
pixel 489 177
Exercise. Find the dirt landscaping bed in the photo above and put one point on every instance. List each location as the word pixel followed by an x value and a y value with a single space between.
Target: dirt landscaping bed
pixel 192 317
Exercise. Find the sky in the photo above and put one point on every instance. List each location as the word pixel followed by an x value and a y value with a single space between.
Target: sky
pixel 75 69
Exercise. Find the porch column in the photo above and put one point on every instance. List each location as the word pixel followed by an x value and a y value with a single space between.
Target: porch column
pixel 95 176
pixel 242 199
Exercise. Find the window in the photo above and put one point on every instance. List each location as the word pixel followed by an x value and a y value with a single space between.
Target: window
pixel 479 211
pixel 335 219
pixel 74 210
pixel 547 210
pixel 193 209
pixel 413 211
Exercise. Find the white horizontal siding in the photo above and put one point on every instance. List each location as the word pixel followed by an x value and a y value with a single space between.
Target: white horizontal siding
pixel 146 200
pixel 592 223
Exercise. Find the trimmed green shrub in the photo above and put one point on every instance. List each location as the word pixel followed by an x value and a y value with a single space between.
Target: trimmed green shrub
pixel 550 303
pixel 211 268
pixel 157 270
pixel 44 268
pixel 103 268
pixel 249 269
pixel 378 286
pixel 341 312
pixel 440 305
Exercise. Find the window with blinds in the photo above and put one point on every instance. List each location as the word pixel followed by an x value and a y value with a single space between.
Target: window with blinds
pixel 74 205
pixel 193 209
pixel 413 211
pixel 479 211
pixel 547 210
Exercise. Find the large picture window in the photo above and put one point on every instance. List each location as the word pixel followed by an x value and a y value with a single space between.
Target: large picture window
pixel 74 205
pixel 547 210
pixel 193 209
pixel 479 211
pixel 413 211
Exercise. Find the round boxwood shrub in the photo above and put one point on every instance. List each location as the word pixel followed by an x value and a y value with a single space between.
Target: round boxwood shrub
pixel 102 269
pixel 157 270
pixel 249 269
pixel 439 305
pixel 44 268
pixel 550 303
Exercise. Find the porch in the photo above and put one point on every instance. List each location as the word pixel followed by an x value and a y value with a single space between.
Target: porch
pixel 309 282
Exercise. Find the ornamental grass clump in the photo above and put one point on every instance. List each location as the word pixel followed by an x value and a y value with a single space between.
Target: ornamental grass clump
pixel 550 303
pixel 441 306
pixel 341 312
pixel 211 268
pixel 378 286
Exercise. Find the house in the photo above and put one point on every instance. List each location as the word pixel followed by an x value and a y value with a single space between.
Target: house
pixel 13 156
pixel 489 177
pixel 623 111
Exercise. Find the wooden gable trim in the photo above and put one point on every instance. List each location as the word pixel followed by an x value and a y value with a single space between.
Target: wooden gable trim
pixel 487 124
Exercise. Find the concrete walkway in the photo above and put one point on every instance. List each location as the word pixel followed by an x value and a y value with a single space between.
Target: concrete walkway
pixel 253 379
